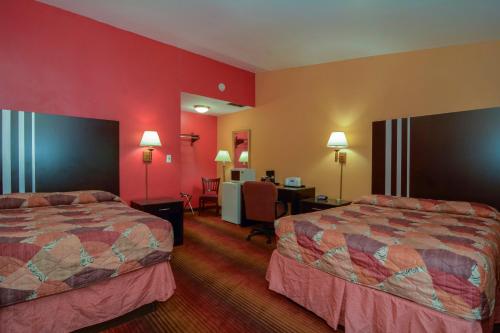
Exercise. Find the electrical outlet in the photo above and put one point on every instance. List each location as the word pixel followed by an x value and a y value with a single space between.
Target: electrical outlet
pixel 169 158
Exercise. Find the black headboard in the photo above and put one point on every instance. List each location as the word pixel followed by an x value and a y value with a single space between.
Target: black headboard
pixel 451 156
pixel 49 153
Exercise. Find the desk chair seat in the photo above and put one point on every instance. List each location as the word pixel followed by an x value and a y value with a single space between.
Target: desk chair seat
pixel 262 205
pixel 209 195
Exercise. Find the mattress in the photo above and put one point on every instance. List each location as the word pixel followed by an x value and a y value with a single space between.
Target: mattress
pixel 440 254
pixel 55 242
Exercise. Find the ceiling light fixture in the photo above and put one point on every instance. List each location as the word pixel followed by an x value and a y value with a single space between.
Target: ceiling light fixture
pixel 201 108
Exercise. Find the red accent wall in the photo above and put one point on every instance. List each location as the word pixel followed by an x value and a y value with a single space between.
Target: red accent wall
pixel 53 61
pixel 198 160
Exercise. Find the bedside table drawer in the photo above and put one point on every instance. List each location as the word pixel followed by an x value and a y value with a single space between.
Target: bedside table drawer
pixel 165 212
pixel 308 208
pixel 170 210
pixel 313 205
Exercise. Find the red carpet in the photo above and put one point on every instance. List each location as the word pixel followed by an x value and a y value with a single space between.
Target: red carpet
pixel 221 287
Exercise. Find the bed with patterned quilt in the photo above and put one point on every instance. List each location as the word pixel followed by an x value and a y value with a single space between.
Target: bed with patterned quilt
pixel 87 245
pixel 421 264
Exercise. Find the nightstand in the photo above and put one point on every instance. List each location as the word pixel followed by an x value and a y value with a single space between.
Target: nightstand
pixel 169 209
pixel 313 204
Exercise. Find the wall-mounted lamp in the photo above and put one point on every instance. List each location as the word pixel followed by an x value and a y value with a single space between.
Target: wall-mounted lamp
pixel 338 141
pixel 150 139
pixel 244 157
pixel 223 157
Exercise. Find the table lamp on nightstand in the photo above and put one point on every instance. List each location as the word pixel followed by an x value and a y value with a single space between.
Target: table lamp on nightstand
pixel 150 139
pixel 338 141
pixel 223 157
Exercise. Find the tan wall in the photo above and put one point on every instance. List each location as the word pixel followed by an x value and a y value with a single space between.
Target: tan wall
pixel 298 108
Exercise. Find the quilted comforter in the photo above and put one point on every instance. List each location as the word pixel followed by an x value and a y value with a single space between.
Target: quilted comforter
pixel 440 254
pixel 54 242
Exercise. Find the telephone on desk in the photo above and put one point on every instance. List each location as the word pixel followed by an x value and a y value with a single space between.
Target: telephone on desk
pixel 293 182
pixel 322 197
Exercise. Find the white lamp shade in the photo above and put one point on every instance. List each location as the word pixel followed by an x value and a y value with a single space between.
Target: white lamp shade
pixel 150 139
pixel 337 140
pixel 244 157
pixel 223 156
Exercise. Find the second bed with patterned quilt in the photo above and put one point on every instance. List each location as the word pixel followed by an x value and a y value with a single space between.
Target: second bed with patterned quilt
pixel 440 254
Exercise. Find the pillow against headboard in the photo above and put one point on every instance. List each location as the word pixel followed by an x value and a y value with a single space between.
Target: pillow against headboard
pixel 430 205
pixel 29 200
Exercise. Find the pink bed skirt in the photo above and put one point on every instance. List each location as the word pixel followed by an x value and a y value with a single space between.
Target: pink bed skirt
pixel 91 305
pixel 359 308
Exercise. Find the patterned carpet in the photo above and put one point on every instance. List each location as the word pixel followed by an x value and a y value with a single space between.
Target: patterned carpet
pixel 221 287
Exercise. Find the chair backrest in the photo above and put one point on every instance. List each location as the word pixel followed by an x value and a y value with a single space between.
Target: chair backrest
pixel 260 201
pixel 210 185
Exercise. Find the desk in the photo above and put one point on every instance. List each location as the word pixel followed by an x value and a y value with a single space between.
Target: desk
pixel 293 196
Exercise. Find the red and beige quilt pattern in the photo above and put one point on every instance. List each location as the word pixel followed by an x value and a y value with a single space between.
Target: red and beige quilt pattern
pixel 54 242
pixel 441 254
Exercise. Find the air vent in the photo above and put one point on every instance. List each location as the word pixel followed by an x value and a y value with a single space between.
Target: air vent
pixel 236 105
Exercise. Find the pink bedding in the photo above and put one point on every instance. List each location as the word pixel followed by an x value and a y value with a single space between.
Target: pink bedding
pixel 88 306
pixel 55 242
pixel 358 308
pixel 442 255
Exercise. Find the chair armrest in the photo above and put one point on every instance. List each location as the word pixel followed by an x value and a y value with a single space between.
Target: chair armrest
pixel 281 209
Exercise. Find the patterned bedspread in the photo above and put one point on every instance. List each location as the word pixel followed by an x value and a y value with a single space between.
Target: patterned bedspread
pixel 440 254
pixel 54 242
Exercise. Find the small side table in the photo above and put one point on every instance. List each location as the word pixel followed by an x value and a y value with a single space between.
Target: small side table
pixel 169 209
pixel 313 204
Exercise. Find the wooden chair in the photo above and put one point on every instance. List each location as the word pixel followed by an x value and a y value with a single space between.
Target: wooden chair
pixel 210 194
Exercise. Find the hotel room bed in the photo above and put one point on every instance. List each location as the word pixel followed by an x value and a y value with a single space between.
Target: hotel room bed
pixel 392 264
pixel 85 255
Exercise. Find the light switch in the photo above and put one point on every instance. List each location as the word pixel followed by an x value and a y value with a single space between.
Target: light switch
pixel 169 158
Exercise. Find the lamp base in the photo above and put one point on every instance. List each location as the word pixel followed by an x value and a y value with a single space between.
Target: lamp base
pixel 147 155
pixel 342 157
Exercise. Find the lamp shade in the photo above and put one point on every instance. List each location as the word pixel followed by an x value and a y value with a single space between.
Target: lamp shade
pixel 150 139
pixel 244 157
pixel 337 140
pixel 223 156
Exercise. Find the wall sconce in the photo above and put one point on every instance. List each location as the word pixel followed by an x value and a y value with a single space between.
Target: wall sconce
pixel 223 157
pixel 150 139
pixel 338 141
pixel 244 157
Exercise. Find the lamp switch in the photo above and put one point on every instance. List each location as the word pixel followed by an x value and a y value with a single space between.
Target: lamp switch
pixel 169 158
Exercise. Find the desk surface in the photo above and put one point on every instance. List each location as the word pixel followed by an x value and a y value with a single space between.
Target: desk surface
pixel 290 188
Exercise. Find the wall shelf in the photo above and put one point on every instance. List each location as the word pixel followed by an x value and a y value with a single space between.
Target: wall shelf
pixel 193 137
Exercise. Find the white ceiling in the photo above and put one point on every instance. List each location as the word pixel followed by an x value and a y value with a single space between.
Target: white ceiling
pixel 217 106
pixel 274 34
